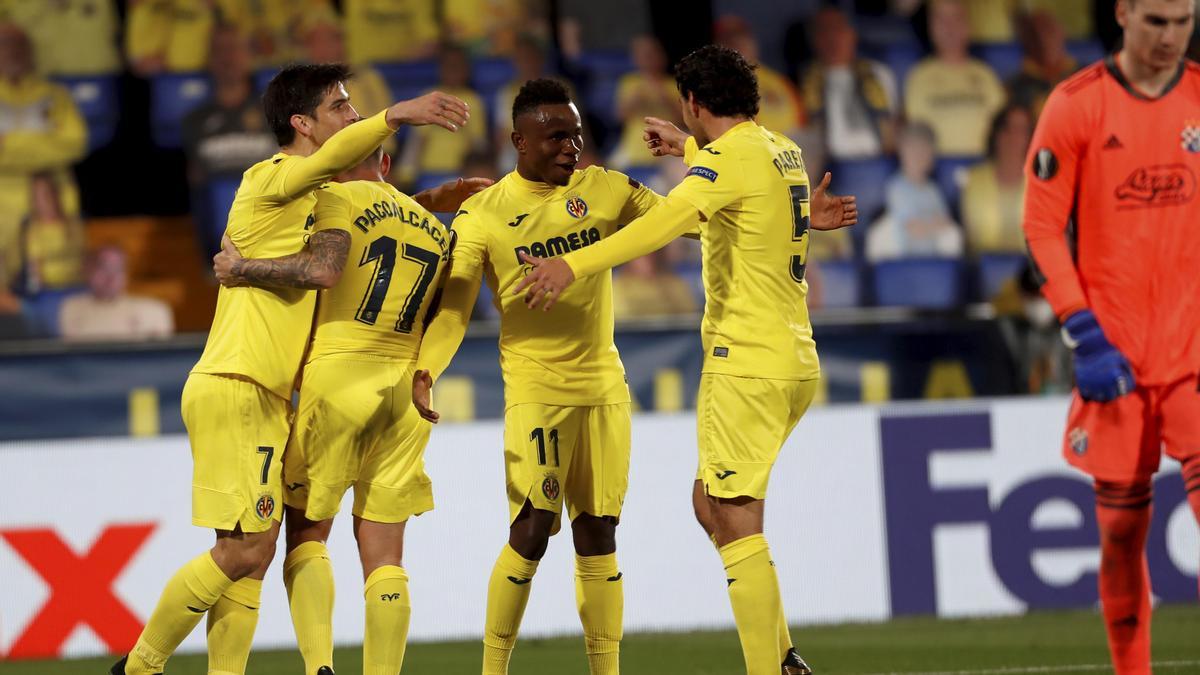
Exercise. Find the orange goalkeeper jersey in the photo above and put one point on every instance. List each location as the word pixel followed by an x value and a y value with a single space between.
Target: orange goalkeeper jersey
pixel 1112 216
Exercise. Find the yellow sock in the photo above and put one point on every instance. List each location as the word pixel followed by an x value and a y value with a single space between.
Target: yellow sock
pixel 600 597
pixel 231 624
pixel 754 594
pixel 388 612
pixel 308 577
pixel 508 593
pixel 186 597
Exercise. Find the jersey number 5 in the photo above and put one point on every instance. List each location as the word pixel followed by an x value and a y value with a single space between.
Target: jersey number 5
pixel 382 252
pixel 799 198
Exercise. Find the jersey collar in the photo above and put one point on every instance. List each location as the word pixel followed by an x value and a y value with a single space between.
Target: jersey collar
pixel 1110 62
pixel 534 189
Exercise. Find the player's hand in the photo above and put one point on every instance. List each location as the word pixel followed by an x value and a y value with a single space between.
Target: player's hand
pixel 664 138
pixel 226 263
pixel 829 211
pixel 447 197
pixel 546 281
pixel 1101 372
pixel 444 110
pixel 422 390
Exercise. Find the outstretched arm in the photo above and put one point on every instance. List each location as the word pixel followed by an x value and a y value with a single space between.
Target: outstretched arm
pixel 550 277
pixel 444 334
pixel 319 265
pixel 351 145
pixel 447 197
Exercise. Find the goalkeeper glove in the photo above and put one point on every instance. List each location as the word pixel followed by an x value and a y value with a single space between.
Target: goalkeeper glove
pixel 1101 372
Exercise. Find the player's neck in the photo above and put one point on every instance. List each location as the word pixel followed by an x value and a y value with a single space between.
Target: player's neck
pixel 302 147
pixel 715 127
pixel 1149 81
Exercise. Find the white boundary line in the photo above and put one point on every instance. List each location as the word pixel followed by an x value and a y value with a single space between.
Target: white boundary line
pixel 1086 668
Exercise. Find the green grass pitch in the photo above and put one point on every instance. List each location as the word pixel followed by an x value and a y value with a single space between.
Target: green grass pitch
pixel 1041 642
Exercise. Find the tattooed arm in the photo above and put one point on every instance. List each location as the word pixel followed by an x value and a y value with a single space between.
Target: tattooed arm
pixel 318 265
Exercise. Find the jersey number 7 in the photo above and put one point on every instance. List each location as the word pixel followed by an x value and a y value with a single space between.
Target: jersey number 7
pixel 382 252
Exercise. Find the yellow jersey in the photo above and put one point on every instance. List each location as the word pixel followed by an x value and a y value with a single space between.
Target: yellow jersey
pixel 398 252
pixel 261 333
pixel 565 357
pixel 752 191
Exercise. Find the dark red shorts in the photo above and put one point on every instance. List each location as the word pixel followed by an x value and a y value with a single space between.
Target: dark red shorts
pixel 1123 440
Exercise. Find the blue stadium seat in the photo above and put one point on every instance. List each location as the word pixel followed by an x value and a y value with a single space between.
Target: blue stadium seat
pixel 263 77
pixel 642 174
pixel 899 56
pixel 1086 52
pixel 43 309
pixel 604 69
pixel 488 75
pixel 995 269
pixel 431 180
pixel 172 97
pixel 924 283
pixel 866 179
pixel 840 283
pixel 409 79
pixel 220 199
pixel 1004 57
pixel 96 98
pixel 950 174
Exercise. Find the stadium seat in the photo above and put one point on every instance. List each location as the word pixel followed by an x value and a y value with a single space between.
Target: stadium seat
pixel 840 283
pixel 172 97
pixel 951 174
pixel 995 269
pixel 220 198
pixel 489 75
pixel 96 98
pixel 1003 57
pixel 409 79
pixel 1086 52
pixel 43 309
pixel 899 56
pixel 866 179
pixel 642 174
pixel 604 70
pixel 923 283
pixel 262 77
pixel 426 181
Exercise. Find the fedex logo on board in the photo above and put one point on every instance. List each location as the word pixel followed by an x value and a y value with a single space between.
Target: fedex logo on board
pixel 915 508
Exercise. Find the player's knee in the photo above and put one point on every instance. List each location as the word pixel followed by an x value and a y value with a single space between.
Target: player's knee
pixel 1123 513
pixel 594 535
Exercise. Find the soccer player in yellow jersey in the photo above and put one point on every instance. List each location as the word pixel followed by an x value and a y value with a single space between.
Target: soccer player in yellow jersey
pixel 236 402
pixel 356 425
pixel 748 189
pixel 566 419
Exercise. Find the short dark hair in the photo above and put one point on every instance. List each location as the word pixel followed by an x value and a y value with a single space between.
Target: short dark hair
pixel 539 92
pixel 298 90
pixel 720 79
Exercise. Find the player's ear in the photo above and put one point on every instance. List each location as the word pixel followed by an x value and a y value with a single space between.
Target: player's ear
pixel 1122 10
pixel 518 142
pixel 301 125
pixel 385 165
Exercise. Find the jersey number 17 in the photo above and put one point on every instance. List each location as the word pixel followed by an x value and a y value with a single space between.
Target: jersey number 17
pixel 382 252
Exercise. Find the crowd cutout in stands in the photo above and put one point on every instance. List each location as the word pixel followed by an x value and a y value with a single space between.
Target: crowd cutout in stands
pixel 926 137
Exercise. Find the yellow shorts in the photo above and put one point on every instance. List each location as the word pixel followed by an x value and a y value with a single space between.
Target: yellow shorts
pixel 238 431
pixel 741 424
pixel 580 453
pixel 357 427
